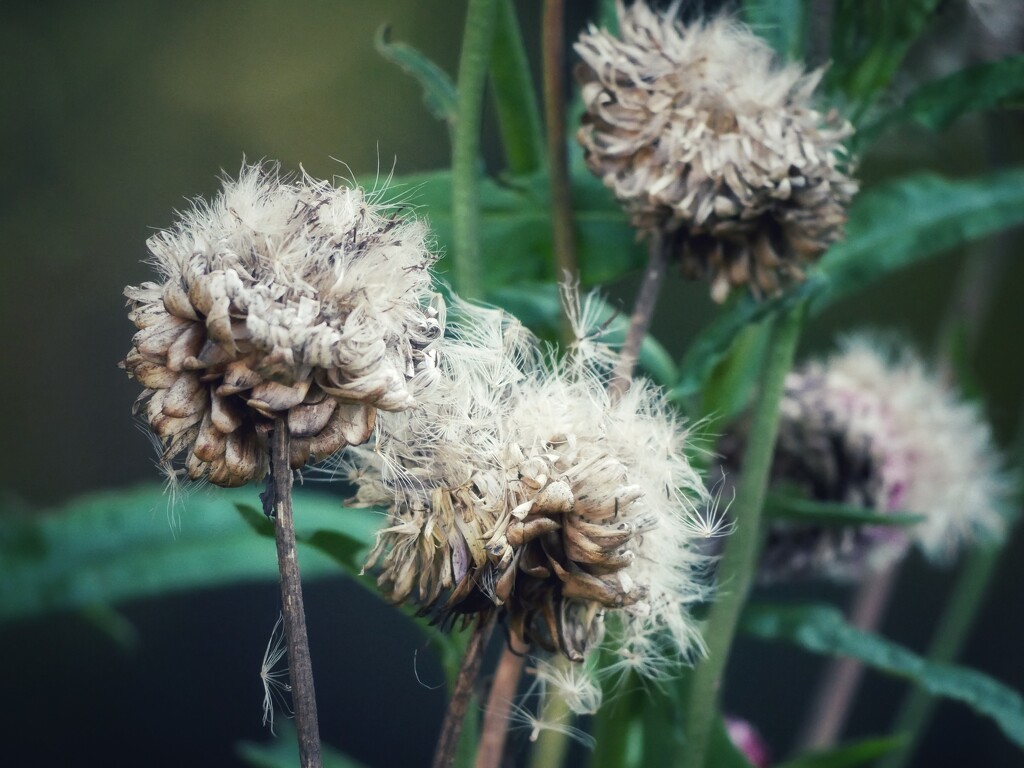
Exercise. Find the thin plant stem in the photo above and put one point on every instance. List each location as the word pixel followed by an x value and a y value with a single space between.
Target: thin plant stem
pixel 954 627
pixel 643 311
pixel 838 686
pixel 300 668
pixel 739 561
pixel 474 61
pixel 498 708
pixel 552 745
pixel 514 96
pixel 563 226
pixel 451 728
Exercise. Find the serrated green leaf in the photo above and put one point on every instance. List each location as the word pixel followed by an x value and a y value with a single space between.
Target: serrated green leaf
pixel 785 507
pixel 118 545
pixel 439 92
pixel 936 105
pixel 822 629
pixel 852 755
pixel 780 23
pixel 891 227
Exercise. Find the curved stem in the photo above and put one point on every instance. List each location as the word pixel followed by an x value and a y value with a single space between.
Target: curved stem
pixel 300 668
pixel 474 62
pixel 448 741
pixel 739 561
pixel 499 706
pixel 640 321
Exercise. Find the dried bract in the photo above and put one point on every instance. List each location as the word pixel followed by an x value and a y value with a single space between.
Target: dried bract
pixel 522 487
pixel 281 298
pixel 871 427
pixel 704 137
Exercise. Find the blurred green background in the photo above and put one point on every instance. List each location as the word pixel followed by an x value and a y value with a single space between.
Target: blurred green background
pixel 113 115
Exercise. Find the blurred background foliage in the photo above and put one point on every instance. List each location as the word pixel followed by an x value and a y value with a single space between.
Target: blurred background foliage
pixel 113 115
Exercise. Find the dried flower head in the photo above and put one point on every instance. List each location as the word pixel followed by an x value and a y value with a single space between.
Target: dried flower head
pixel 701 134
pixel 520 486
pixel 281 298
pixel 872 427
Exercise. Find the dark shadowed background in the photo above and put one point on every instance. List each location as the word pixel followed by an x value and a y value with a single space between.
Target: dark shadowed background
pixel 113 115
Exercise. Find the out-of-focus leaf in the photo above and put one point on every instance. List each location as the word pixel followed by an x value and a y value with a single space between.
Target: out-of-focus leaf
pixel 937 104
pixel 438 89
pixel 516 227
pixel 734 379
pixel 785 507
pixel 539 307
pixel 283 752
pixel 780 22
pixel 870 39
pixel 863 752
pixel 890 228
pixel 822 629
pixel 897 224
pixel 118 545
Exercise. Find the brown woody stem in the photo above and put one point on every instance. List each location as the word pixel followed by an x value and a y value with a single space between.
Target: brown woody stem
pixel 643 311
pixel 499 705
pixel 448 741
pixel 300 668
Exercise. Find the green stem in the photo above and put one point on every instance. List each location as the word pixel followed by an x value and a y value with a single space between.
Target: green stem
pixel 949 638
pixel 473 65
pixel 739 561
pixel 552 745
pixel 518 113
pixel 562 222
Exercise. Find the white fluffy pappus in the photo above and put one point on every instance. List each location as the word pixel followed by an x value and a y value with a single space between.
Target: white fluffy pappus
pixel 519 485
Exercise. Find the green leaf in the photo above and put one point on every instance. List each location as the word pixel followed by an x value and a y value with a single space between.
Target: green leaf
pixel 891 227
pixel 903 222
pixel 732 382
pixel 847 755
pixel 822 629
pixel 283 752
pixel 936 105
pixel 780 23
pixel 870 39
pixel 539 307
pixel 438 89
pixel 516 227
pixel 786 507
pixel 118 545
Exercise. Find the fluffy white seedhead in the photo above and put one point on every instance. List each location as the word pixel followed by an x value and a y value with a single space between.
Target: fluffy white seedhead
pixel 521 486
pixel 703 136
pixel 283 297
pixel 873 427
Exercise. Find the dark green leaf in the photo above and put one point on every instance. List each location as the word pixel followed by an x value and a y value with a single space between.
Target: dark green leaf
pixel 780 22
pixel 870 39
pixel 256 520
pixel 784 507
pixel 516 227
pixel 897 224
pixel 539 307
pixel 438 89
pixel 822 629
pixel 937 104
pixel 347 551
pixel 283 752
pixel 852 755
pixel 891 227
pixel 107 547
pixel 733 381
